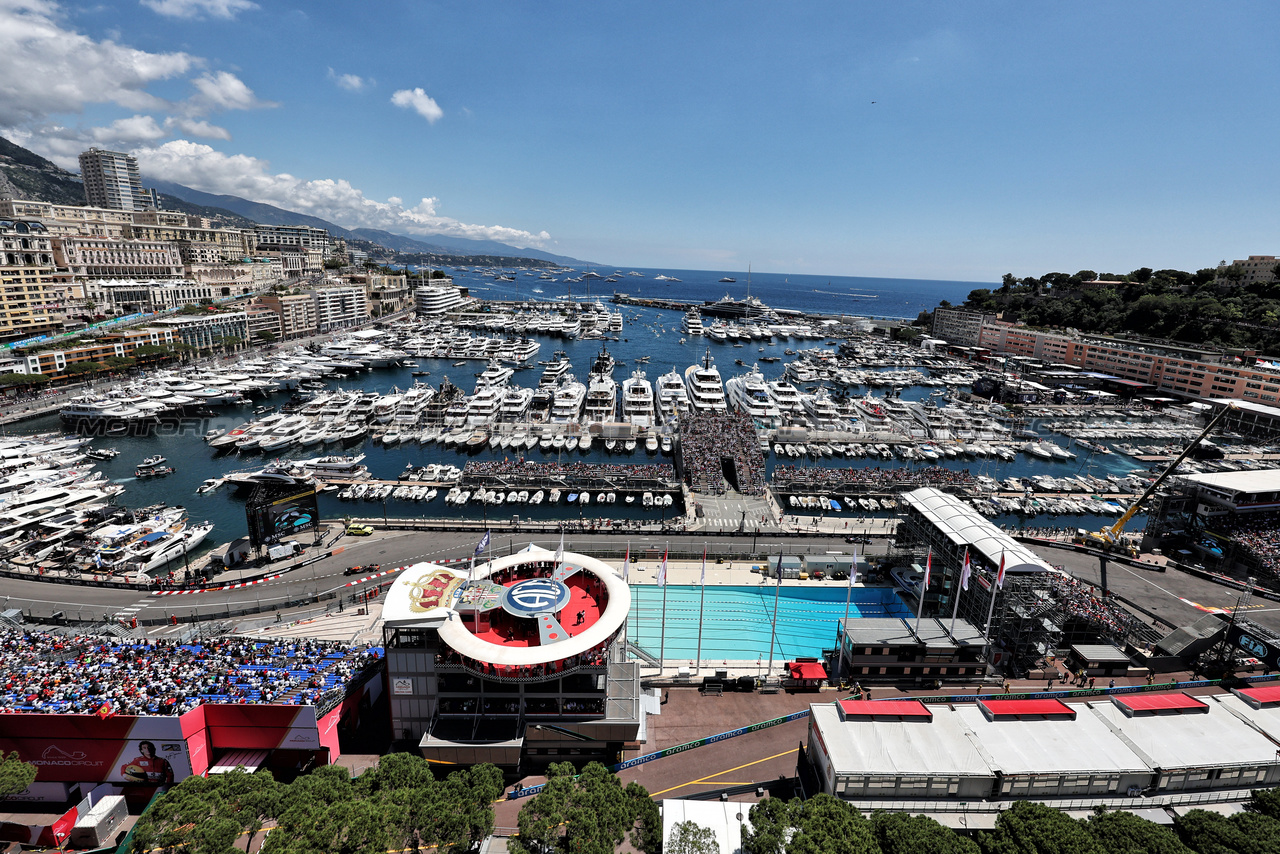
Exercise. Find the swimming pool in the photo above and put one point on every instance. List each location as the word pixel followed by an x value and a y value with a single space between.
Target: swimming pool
pixel 737 620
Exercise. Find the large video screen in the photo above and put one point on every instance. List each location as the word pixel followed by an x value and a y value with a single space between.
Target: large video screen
pixel 273 519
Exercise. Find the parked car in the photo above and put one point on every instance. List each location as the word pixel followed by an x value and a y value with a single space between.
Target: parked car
pixel 359 530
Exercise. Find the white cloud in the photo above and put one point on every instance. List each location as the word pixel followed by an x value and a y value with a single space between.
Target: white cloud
pixel 350 82
pixel 132 130
pixel 198 127
pixel 420 102
pixel 49 69
pixel 204 168
pixel 199 8
pixel 222 90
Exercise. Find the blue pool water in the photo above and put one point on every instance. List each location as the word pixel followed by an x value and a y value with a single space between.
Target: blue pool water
pixel 737 621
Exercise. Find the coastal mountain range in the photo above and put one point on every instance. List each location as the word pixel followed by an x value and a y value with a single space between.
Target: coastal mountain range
pixel 26 175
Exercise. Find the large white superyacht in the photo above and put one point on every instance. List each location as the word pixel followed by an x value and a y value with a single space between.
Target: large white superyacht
pixel 637 400
pixel 673 397
pixel 566 404
pixel 749 393
pixel 706 390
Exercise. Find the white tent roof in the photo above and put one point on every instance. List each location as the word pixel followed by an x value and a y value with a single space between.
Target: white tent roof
pixel 964 526
pixel 939 748
pixel 1051 745
pixel 1214 739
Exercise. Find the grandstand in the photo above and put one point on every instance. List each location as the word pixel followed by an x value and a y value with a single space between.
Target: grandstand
pixel 78 707
pixel 1230 518
pixel 719 450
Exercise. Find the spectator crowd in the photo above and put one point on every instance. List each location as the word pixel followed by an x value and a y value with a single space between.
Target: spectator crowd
pixel 715 444
pixel 791 478
pixel 56 674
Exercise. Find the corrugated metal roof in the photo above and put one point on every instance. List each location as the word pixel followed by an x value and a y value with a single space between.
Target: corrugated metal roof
pixel 964 526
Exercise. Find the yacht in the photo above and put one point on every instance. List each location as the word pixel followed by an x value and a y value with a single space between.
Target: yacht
pixel 822 412
pixel 601 400
pixel 706 391
pixel 483 406
pixel 637 400
pixel 566 404
pixel 692 323
pixel 90 409
pixel 554 370
pixel 673 397
pixel 495 375
pixel 515 403
pixel 749 394
pixel 286 433
pixel 412 404
pixel 787 398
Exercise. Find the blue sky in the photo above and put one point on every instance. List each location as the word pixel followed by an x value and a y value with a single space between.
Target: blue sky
pixel 931 140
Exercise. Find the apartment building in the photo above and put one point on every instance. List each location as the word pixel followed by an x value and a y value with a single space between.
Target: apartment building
pixel 297 313
pixel 958 325
pixel 29 301
pixel 1255 268
pixel 111 180
pixel 340 306
pixel 262 319
pixel 103 257
pixel 387 294
pixel 1173 369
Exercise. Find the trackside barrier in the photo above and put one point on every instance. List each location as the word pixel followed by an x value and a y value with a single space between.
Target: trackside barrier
pixel 527 791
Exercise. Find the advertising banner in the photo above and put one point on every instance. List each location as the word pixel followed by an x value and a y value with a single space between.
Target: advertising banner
pixel 273 519
pixel 119 749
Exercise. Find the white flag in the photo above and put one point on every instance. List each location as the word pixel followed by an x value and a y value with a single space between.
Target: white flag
pixel 965 572
pixel 703 579
pixel 626 562
pixel 662 571
pixel 560 550
pixel 853 570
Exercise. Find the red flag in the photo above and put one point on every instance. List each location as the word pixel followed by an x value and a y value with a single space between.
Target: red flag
pixel 966 571
pixel 662 571
pixel 1000 575
pixel 928 569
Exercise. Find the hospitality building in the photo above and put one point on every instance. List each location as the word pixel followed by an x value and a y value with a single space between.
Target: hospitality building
pixel 211 329
pixel 525 664
pixel 981 756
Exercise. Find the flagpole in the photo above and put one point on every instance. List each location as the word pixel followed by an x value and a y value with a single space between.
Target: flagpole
pixel 774 633
pixel 924 589
pixel 662 632
pixel 848 595
pixel 702 604
pixel 955 604
pixel 991 609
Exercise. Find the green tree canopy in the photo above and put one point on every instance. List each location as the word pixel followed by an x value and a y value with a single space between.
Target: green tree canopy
pixel 11 380
pixel 1029 828
pixel 1118 832
pixel 588 814
pixel 15 775
pixel 899 833
pixel 689 837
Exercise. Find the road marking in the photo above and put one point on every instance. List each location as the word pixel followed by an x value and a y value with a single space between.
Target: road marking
pixel 710 777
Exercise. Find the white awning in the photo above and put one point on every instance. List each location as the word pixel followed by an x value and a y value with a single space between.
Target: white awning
pixel 250 760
